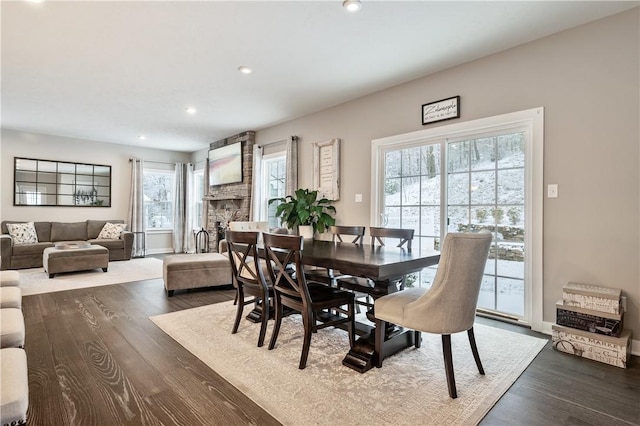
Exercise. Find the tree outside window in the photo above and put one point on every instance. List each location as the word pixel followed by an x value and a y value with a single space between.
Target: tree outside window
pixel 158 199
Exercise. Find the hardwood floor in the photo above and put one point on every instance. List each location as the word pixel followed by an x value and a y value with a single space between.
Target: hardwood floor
pixel 95 359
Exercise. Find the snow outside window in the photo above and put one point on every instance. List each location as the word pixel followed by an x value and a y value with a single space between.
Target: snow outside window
pixel 158 199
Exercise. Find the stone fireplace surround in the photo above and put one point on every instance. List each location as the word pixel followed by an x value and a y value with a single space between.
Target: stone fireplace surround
pixel 232 201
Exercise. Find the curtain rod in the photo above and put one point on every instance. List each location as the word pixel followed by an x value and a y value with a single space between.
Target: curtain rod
pixel 280 141
pixel 157 162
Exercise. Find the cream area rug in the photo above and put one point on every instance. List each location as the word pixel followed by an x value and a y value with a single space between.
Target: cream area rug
pixel 37 281
pixel 410 388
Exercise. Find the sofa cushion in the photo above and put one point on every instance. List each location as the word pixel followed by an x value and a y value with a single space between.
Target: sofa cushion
pixel 95 226
pixel 23 233
pixel 110 244
pixel 43 229
pixel 14 386
pixel 69 231
pixel 12 331
pixel 26 249
pixel 111 231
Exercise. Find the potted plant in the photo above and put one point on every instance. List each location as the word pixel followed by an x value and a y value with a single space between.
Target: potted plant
pixel 305 209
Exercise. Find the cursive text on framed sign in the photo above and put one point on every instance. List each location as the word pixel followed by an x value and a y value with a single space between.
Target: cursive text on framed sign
pixel 444 109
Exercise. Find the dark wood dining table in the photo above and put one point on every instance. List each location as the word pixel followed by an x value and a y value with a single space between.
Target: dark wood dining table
pixel 384 266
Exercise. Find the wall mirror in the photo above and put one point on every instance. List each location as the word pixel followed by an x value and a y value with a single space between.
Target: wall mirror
pixel 59 183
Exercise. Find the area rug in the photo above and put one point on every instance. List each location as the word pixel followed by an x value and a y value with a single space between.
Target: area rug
pixel 410 388
pixel 37 281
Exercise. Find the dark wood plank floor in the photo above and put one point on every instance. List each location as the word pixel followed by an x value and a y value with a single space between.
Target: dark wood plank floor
pixel 95 359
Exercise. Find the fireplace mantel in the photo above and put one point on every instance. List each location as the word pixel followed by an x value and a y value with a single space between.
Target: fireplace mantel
pixel 222 198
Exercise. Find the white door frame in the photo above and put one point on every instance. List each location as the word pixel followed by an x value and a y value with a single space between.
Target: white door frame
pixel 533 120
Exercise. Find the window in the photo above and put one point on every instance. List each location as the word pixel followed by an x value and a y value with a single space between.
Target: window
pixel 158 199
pixel 198 193
pixel 274 172
pixel 482 174
pixel 486 190
pixel 412 197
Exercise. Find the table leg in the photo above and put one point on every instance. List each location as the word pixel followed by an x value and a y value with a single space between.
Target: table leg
pixel 362 356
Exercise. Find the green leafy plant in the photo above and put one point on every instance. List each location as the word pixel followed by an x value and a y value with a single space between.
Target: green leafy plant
pixel 305 209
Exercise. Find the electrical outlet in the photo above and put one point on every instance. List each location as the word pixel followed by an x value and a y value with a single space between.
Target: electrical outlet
pixel 623 302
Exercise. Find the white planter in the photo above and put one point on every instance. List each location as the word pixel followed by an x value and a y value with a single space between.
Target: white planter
pixel 306 231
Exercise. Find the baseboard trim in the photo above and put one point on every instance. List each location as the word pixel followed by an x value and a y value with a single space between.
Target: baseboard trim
pixel 159 251
pixel 635 344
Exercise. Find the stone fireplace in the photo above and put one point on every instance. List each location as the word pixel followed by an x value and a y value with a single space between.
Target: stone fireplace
pixel 226 203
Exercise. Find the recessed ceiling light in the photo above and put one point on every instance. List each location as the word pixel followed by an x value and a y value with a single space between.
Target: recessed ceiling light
pixel 245 70
pixel 352 5
pixel 190 110
pixel 142 137
pixel 35 1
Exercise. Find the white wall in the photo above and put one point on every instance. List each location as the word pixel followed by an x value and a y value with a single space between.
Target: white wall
pixel 587 79
pixel 56 148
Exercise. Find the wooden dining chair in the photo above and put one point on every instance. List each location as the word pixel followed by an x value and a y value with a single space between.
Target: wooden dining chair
pixel 249 277
pixel 308 298
pixel 338 234
pixel 378 238
pixel 448 307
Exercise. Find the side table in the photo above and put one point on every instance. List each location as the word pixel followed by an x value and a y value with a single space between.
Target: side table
pixel 142 235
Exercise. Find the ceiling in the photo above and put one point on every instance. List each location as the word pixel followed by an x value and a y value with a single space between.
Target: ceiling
pixel 111 71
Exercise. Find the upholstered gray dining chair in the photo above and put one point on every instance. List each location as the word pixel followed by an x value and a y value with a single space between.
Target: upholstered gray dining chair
pixel 448 307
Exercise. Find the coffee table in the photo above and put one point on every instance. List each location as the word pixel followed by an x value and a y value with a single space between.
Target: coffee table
pixel 73 256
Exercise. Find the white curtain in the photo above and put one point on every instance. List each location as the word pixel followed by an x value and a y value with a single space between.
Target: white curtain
pixel 183 238
pixel 135 213
pixel 291 178
pixel 257 197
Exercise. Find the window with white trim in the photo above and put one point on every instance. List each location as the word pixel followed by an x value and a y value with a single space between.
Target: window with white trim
pixel 158 199
pixel 198 193
pixel 482 174
pixel 273 179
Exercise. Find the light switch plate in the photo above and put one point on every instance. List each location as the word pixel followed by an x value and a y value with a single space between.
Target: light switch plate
pixel 552 190
pixel 358 198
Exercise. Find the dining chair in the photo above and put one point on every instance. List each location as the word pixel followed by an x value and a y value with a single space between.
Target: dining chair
pixel 378 238
pixel 329 276
pixel 448 307
pixel 337 232
pixel 249 277
pixel 308 298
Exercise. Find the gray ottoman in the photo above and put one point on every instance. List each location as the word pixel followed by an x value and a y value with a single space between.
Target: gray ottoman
pixel 12 329
pixel 69 258
pixel 14 386
pixel 10 297
pixel 185 271
pixel 9 278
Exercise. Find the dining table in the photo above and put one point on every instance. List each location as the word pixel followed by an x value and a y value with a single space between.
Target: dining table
pixel 384 266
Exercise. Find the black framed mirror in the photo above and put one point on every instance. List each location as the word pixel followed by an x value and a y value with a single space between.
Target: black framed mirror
pixel 60 183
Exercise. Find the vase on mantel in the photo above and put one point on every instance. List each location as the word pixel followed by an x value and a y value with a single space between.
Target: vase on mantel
pixel 306 231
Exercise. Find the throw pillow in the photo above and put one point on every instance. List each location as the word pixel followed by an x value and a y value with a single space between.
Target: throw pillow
pixel 23 233
pixel 112 231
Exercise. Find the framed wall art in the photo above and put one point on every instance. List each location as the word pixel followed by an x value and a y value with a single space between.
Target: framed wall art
pixel 444 109
pixel 326 168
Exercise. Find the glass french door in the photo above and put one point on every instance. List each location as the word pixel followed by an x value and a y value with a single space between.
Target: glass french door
pixel 486 190
pixel 479 183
